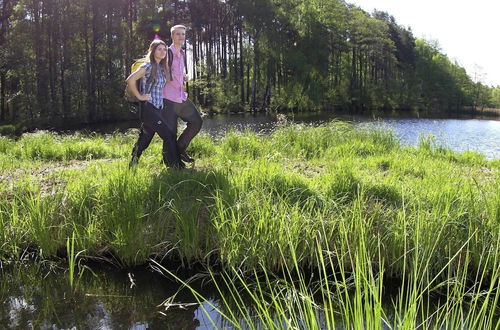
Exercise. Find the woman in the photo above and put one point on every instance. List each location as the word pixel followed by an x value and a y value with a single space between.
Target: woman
pixel 153 74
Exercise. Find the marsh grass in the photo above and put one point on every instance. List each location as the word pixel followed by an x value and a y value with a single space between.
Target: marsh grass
pixel 347 291
pixel 350 205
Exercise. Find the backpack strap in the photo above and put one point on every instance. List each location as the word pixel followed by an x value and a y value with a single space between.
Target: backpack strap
pixel 170 60
pixel 185 60
pixel 150 80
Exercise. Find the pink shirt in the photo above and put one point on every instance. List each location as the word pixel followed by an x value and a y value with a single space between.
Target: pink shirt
pixel 174 89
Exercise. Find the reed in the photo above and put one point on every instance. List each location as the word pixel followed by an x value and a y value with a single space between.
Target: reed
pixel 347 291
pixel 70 252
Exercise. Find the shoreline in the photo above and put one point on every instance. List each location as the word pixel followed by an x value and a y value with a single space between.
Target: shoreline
pixel 17 129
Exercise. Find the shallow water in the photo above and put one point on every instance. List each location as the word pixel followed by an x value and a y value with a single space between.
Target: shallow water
pixel 460 135
pixel 40 297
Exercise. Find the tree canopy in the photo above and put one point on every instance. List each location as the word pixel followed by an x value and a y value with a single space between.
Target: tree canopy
pixel 65 61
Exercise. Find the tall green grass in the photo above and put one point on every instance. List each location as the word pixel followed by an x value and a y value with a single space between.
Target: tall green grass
pixel 347 288
pixel 350 205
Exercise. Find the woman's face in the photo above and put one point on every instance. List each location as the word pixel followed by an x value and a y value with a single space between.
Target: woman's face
pixel 160 52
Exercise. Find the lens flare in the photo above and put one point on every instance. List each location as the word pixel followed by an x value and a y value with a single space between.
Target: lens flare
pixel 156 27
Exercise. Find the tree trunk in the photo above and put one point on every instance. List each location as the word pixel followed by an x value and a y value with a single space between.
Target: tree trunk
pixel 3 110
pixel 224 54
pixel 89 101
pixel 194 61
pixel 242 72
pixel 64 59
pixel 4 23
pixel 267 94
pixel 91 65
pixel 41 83
pixel 248 75
pixel 254 77
pixel 128 38
pixel 53 46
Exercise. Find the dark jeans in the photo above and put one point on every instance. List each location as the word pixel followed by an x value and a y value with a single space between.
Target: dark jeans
pixel 187 112
pixel 153 122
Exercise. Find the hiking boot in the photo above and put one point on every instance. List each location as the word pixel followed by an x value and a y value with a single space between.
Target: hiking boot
pixel 134 161
pixel 185 157
pixel 179 166
pixel 135 157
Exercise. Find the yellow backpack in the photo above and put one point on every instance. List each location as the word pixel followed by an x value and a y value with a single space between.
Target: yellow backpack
pixel 129 95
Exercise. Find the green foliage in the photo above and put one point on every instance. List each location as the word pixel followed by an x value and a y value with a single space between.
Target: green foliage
pixel 48 146
pixel 264 55
pixel 444 84
pixel 7 130
pixel 495 97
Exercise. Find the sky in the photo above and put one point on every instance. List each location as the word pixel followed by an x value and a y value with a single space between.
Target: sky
pixel 467 31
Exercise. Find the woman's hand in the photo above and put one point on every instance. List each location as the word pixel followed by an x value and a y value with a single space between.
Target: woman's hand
pixel 144 97
pixel 131 83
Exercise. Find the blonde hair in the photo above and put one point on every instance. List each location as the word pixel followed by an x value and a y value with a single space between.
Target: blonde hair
pixel 178 26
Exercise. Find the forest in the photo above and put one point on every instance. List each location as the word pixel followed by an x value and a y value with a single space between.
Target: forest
pixel 63 62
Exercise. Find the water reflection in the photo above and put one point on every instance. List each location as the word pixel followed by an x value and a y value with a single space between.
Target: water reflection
pixel 40 297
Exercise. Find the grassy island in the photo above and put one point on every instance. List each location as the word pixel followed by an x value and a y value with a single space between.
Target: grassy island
pixel 350 207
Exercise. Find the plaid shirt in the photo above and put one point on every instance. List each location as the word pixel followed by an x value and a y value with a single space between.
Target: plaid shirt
pixel 156 90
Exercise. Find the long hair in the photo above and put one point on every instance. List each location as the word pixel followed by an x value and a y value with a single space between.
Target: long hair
pixel 150 57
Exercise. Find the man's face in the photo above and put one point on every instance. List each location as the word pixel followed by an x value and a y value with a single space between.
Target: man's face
pixel 178 36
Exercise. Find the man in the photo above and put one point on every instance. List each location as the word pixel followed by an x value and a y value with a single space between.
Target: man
pixel 176 102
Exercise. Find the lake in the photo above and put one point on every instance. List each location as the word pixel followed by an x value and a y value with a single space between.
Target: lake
pixel 459 134
pixel 479 135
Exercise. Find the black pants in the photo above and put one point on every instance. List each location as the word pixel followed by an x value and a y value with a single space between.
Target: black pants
pixel 153 122
pixel 187 112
